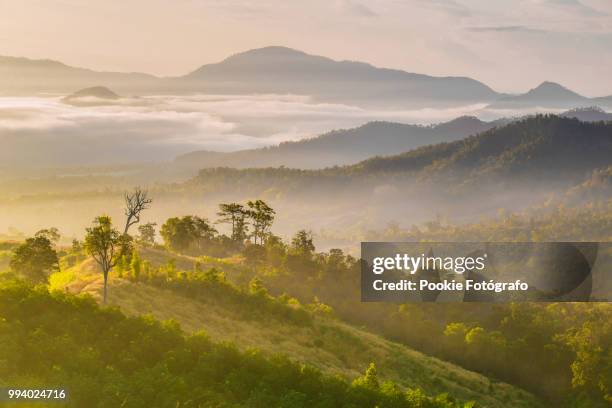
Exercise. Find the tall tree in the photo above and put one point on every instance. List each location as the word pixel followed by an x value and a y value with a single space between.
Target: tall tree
pixel 36 258
pixel 146 234
pixel 262 217
pixel 183 233
pixel 136 202
pixel 234 214
pixel 302 242
pixel 203 231
pixel 106 245
pixel 52 234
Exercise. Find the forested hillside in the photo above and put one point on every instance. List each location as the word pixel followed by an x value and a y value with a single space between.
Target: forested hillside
pixel 340 147
pixel 103 358
pixel 219 283
pixel 230 308
pixel 540 148
pixel 253 288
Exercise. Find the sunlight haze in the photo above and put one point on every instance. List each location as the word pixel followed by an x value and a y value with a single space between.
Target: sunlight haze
pixel 511 46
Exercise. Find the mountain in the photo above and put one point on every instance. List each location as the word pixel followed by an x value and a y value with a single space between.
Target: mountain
pixel 548 95
pixel 29 76
pixel 265 70
pixel 283 70
pixel 340 147
pixel 539 150
pixel 100 92
pixel 97 95
pixel 590 114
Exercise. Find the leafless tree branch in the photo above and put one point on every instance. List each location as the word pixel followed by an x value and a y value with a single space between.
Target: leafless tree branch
pixel 136 201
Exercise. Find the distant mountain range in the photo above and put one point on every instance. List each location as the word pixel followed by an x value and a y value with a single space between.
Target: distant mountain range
pixel 548 95
pixel 539 151
pixel 340 147
pixel 282 70
pixel 349 146
pixel 588 114
pixel 27 76
pixel 543 147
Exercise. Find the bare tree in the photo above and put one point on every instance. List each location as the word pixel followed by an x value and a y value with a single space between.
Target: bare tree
pixel 135 202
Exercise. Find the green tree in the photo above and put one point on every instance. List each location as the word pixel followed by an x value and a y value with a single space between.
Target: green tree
pixel 146 234
pixel 183 233
pixel 234 214
pixel 135 265
pixel 36 258
pixel 369 379
pixel 177 233
pixel 302 242
pixel 592 365
pixel 203 232
pixel 299 258
pixel 77 246
pixel 106 245
pixel 52 234
pixel 262 217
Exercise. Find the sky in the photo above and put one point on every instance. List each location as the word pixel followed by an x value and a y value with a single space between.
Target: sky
pixel 511 45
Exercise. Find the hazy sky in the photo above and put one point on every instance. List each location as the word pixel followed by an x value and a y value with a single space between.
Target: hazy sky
pixel 512 45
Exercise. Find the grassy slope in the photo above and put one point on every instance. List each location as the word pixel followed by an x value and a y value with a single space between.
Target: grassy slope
pixel 330 345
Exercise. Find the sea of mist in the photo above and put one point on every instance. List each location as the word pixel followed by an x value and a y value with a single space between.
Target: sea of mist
pixel 44 131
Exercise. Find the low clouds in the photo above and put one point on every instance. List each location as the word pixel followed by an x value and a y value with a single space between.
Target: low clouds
pixel 46 132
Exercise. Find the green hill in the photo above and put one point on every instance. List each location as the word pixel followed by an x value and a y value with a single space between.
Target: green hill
pixel 318 339
pixel 99 357
pixel 537 148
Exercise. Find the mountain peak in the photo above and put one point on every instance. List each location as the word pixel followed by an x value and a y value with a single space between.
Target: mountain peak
pixel 269 52
pixel 93 96
pixel 465 124
pixel 101 92
pixel 272 50
pixel 465 119
pixel 552 90
pixel 550 84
